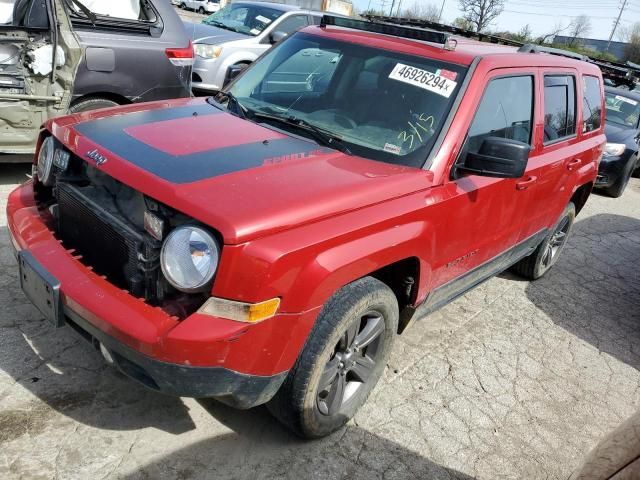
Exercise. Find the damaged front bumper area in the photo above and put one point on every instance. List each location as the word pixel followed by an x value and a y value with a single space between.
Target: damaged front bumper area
pixel 198 356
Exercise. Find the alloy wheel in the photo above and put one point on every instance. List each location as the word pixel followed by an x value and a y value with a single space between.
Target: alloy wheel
pixel 351 364
pixel 556 242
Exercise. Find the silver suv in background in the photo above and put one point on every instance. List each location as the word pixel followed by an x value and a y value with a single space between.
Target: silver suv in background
pixel 60 56
pixel 238 34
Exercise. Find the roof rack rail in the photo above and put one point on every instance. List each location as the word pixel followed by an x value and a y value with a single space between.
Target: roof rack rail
pixel 412 33
pixel 532 48
pixel 441 27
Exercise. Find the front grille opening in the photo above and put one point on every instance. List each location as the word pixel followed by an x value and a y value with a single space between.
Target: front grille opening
pixel 99 220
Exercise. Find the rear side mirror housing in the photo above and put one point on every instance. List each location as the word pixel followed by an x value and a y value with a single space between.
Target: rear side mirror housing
pixel 497 157
pixel 275 37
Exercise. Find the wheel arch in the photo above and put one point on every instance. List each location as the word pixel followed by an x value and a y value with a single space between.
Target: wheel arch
pixel 581 195
pixel 114 97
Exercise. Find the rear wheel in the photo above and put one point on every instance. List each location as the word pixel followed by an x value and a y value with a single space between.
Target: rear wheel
pixel 342 361
pixel 183 6
pixel 201 10
pixel 91 104
pixel 545 256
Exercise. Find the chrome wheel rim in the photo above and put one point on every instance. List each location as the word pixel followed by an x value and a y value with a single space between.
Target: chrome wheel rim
pixel 555 243
pixel 351 364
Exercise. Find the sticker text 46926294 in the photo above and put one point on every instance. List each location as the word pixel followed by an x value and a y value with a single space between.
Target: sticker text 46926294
pixel 423 79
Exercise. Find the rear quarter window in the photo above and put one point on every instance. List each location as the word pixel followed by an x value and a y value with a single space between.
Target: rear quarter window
pixel 591 104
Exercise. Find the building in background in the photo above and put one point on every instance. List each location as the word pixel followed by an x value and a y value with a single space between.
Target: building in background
pixel 616 49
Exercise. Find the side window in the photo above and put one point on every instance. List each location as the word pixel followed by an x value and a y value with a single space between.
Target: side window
pixel 292 24
pixel 591 104
pixel 506 111
pixel 559 107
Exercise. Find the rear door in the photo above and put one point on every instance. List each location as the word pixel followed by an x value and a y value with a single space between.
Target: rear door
pixel 35 84
pixel 558 150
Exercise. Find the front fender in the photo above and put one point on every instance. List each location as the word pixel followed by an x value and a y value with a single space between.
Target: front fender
pixel 306 265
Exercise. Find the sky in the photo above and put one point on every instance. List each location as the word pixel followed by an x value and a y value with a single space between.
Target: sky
pixel 541 15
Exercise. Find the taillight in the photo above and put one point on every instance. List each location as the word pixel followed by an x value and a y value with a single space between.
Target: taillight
pixel 181 57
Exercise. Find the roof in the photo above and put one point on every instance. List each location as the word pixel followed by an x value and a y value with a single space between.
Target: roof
pixel 465 52
pixel 635 95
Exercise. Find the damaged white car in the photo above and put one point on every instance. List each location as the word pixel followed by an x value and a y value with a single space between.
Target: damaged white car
pixel 61 56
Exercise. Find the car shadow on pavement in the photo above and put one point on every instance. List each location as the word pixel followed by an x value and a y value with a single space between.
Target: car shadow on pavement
pixel 65 374
pixel 594 290
pixel 260 448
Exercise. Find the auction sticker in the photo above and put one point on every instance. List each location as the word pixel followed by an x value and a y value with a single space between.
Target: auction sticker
pixel 423 79
pixel 262 19
pixel 626 100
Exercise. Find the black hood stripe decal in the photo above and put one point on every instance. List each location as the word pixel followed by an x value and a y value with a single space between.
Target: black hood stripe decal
pixel 109 132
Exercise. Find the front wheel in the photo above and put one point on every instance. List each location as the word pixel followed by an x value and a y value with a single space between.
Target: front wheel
pixel 343 359
pixel 617 189
pixel 546 255
pixel 201 11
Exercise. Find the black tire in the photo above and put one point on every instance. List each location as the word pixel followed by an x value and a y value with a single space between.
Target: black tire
pixel 183 6
pixel 91 104
pixel 201 11
pixel 636 170
pixel 367 306
pixel 538 263
pixel 617 189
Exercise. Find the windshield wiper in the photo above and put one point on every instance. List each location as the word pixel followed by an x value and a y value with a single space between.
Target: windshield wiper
pixel 88 13
pixel 321 136
pixel 214 23
pixel 238 108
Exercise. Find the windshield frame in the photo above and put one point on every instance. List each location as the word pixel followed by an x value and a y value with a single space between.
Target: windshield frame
pixel 467 71
pixel 618 94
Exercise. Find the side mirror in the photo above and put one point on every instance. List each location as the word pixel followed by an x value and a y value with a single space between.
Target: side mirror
pixel 275 37
pixel 498 157
pixel 232 72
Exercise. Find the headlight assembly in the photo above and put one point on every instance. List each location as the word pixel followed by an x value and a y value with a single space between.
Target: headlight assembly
pixel 189 258
pixel 614 149
pixel 207 51
pixel 45 161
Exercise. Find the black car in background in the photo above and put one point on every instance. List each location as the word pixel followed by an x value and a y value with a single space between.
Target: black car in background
pixel 620 160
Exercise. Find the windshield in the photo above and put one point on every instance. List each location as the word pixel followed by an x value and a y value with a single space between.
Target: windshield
pixel 379 104
pixel 622 110
pixel 243 18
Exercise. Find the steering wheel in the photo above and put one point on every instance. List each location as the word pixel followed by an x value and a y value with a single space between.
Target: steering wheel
pixel 335 115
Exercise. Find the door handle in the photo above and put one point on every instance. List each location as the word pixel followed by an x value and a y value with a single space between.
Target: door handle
pixel 573 164
pixel 524 184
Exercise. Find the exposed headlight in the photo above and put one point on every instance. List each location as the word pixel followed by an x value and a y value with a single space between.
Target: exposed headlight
pixel 189 258
pixel 614 149
pixel 45 161
pixel 207 51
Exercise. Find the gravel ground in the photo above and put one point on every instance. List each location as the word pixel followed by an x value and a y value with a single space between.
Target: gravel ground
pixel 513 380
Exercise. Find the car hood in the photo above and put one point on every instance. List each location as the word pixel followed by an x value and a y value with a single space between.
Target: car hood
pixel 210 35
pixel 620 134
pixel 239 177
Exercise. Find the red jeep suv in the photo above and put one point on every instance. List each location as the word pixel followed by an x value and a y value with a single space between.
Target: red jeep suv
pixel 267 245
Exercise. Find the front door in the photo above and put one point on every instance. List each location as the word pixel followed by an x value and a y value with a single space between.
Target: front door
pixel 37 70
pixel 484 216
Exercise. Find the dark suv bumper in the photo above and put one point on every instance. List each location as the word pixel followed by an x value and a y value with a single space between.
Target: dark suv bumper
pixel 232 388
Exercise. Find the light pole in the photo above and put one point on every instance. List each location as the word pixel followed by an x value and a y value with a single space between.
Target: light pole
pixel 615 24
pixel 441 10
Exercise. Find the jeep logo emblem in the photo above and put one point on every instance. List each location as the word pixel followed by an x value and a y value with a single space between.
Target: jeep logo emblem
pixel 97 157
